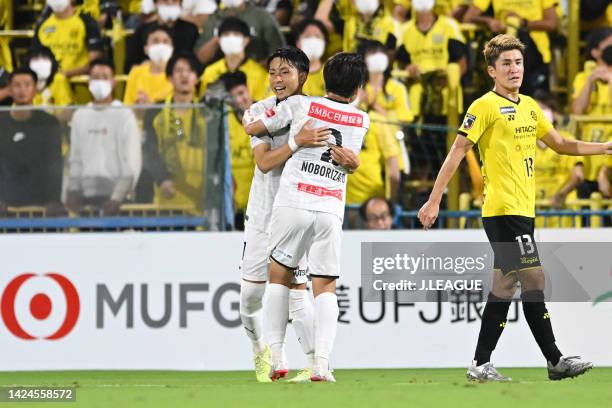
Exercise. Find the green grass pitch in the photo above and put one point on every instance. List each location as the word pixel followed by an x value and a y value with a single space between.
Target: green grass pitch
pixel 355 388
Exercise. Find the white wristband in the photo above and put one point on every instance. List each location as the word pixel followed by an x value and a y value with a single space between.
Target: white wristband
pixel 292 145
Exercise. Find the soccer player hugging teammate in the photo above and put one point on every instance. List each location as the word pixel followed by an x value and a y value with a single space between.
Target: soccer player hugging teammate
pixel 506 125
pixel 309 206
pixel 288 68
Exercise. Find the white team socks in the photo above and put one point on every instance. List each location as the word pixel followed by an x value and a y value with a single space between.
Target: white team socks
pixel 301 312
pixel 276 310
pixel 326 323
pixel 251 295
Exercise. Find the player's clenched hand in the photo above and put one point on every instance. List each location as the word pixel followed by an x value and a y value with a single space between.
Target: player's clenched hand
pixel 345 157
pixel 312 137
pixel 608 147
pixel 247 118
pixel 428 213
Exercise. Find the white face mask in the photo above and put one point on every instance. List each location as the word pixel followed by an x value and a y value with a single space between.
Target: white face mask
pixel 313 47
pixel 159 53
pixel 147 6
pixel 367 6
pixel 42 67
pixel 231 44
pixel 377 62
pixel 100 88
pixel 169 12
pixel 233 3
pixel 58 5
pixel 423 5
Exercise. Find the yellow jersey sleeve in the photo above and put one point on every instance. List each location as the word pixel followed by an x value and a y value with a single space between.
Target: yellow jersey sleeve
pixel 549 3
pixel 579 82
pixel 61 90
pixel 131 88
pixel 477 120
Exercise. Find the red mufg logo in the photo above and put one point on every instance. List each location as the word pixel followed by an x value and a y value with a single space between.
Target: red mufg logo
pixel 330 115
pixel 40 306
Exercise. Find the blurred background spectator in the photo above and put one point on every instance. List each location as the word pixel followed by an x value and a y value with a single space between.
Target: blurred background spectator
pixel 175 139
pixel 184 33
pixel 242 160
pixel 105 148
pixel 377 214
pixel 265 32
pixel 30 151
pixel 234 38
pixel 311 37
pixel 147 82
pixel 52 87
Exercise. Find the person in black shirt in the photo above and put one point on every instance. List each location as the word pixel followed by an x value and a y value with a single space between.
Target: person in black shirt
pixel 30 151
pixel 184 33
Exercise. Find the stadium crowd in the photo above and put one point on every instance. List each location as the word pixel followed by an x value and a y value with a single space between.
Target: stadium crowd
pixel 193 57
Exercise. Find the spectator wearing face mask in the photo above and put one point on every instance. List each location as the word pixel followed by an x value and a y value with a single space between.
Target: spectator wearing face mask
pixel 264 30
pixel 74 38
pixel 362 20
pixel 147 82
pixel 311 37
pixel 242 160
pixel 30 151
pixel 194 11
pixel 105 147
pixel 52 87
pixel 234 38
pixel 184 34
pixel 592 95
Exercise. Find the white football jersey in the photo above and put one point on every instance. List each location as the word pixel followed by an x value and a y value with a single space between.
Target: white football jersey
pixel 264 185
pixel 310 179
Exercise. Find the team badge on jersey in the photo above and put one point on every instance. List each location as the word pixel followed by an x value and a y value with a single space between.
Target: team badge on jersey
pixel 468 122
pixel 270 112
pixel 534 116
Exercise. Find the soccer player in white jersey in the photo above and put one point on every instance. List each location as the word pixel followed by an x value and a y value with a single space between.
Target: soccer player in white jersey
pixel 288 68
pixel 309 205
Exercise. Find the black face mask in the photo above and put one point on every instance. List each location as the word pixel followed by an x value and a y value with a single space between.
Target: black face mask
pixel 606 55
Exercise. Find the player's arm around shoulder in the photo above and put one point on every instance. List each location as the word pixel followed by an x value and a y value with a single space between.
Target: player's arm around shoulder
pixel 272 119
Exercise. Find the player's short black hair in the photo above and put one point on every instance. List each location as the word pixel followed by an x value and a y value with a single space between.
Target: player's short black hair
pixel 233 24
pixel 233 79
pixel 105 62
pixel 595 38
pixel 23 71
pixel 293 56
pixel 344 73
pixel 187 57
pixel 159 27
pixel 363 208
pixel 304 24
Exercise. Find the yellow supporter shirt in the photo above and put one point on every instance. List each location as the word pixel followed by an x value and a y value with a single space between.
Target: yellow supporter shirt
pixel 69 39
pixel 531 10
pixel 58 93
pixel 257 77
pixel 506 134
pixel 394 100
pixel 379 28
pixel 315 84
pixel 156 86
pixel 599 105
pixel 368 181
pixel 243 161
pixel 181 137
pixel 430 52
pixel 552 170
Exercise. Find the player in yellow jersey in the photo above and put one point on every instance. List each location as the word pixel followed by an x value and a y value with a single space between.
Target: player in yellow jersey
pixel 506 125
